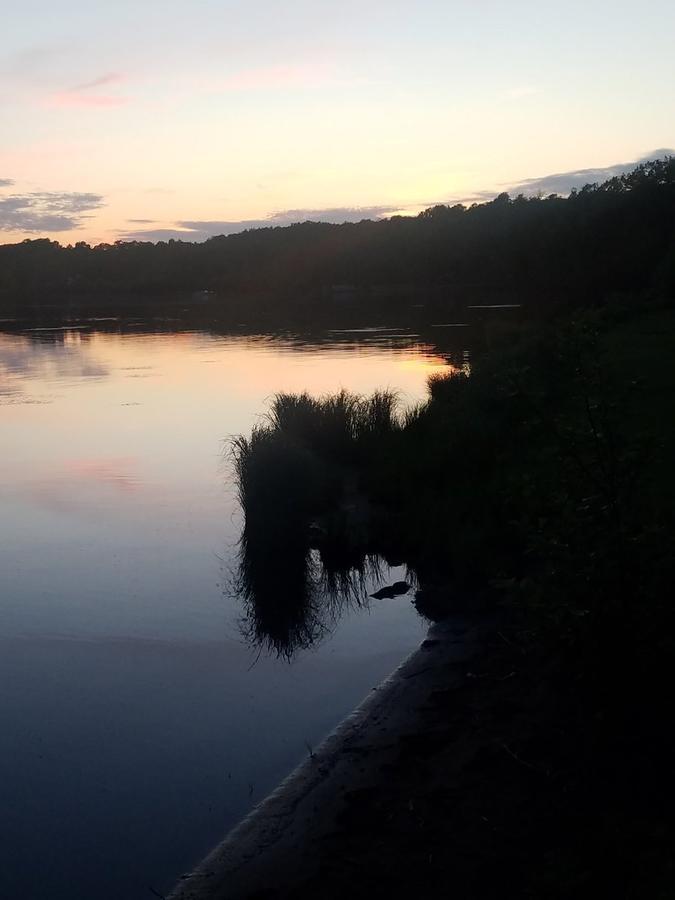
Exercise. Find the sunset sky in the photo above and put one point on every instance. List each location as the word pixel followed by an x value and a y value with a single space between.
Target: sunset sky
pixel 157 119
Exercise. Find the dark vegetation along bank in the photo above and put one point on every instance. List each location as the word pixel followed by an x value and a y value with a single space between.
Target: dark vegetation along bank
pixel 539 486
pixel 614 238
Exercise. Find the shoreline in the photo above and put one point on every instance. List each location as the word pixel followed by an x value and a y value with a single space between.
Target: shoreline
pixel 276 843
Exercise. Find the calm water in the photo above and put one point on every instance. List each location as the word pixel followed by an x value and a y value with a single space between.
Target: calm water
pixel 137 724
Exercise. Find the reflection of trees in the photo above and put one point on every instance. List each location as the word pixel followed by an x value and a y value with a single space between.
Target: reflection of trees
pixel 53 356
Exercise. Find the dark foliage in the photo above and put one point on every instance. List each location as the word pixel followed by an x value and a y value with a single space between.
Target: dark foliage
pixel 543 485
pixel 542 481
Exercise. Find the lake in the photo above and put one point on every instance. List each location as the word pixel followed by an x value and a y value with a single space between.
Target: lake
pixel 138 721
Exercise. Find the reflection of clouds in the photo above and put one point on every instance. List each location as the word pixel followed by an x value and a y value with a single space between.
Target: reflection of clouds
pixel 89 482
pixel 118 473
pixel 24 361
pixel 8 397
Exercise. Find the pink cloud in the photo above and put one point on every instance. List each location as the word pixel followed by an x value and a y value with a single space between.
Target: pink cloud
pixel 66 99
pixel 78 484
pixel 85 94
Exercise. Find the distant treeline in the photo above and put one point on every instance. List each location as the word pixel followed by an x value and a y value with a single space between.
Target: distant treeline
pixel 615 237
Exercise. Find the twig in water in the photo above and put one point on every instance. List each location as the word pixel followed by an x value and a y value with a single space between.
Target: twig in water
pixel 156 893
pixel 255 661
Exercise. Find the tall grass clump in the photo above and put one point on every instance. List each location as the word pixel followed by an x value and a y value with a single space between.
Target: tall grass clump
pixel 277 479
pixel 333 426
pixel 303 452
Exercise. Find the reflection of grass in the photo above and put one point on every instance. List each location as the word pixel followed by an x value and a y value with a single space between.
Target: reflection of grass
pixel 292 597
pixel 277 587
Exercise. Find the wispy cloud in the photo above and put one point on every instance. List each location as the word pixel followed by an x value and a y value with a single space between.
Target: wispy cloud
pixel 201 230
pixel 336 214
pixel 71 99
pixel 6 182
pixel 110 78
pixel 87 94
pixel 564 182
pixel 49 211
pixel 162 234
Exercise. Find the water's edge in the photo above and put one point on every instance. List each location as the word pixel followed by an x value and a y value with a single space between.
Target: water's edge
pixel 272 844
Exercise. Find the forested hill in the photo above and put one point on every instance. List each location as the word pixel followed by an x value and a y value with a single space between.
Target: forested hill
pixel 618 236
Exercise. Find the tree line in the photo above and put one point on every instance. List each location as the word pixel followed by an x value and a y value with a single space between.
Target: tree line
pixel 608 238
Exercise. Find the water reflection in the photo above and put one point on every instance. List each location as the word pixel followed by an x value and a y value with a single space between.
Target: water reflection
pixel 63 355
pixel 293 594
pixel 311 545
pixel 118 652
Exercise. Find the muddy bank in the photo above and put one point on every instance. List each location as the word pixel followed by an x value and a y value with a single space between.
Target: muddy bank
pixel 480 769
pixel 280 842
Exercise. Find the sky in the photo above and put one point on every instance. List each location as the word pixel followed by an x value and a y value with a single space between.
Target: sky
pixel 165 119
